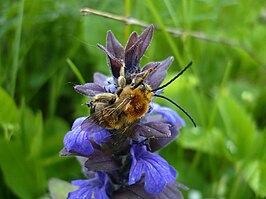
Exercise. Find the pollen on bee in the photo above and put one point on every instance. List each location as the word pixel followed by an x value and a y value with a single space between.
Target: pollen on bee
pixel 138 106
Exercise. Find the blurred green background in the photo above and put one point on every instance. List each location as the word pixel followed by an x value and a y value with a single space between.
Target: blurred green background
pixel 44 41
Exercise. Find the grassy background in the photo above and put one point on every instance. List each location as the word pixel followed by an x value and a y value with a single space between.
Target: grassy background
pixel 224 91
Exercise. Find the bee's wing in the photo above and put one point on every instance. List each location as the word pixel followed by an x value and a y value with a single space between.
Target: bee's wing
pixel 89 125
pixel 118 139
pixel 118 107
pixel 93 122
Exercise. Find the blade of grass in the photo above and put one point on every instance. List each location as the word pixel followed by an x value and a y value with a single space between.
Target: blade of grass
pixel 171 12
pixel 76 71
pixel 222 84
pixel 169 39
pixel 16 46
pixel 54 91
pixel 213 113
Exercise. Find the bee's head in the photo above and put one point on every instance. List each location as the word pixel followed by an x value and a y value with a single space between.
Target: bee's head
pixel 138 81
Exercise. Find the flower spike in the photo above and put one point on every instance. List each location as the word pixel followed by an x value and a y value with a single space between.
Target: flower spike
pixel 125 127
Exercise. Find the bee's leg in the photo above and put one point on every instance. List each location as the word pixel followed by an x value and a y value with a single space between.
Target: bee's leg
pixel 121 80
pixel 101 101
pixel 107 97
pixel 97 107
pixel 122 70
pixel 140 80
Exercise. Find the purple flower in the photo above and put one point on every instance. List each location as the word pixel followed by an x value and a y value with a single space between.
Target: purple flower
pixel 117 149
pixel 137 191
pixel 79 140
pixel 96 187
pixel 157 172
pixel 130 55
pixel 170 115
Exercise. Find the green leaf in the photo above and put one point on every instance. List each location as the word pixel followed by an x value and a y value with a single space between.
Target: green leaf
pixel 254 169
pixel 59 189
pixel 23 176
pixel 54 131
pixel 32 130
pixel 255 174
pixel 36 144
pixel 211 142
pixel 239 127
pixel 9 117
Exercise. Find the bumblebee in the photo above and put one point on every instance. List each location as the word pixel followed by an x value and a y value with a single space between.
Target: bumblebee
pixel 130 102
pixel 124 107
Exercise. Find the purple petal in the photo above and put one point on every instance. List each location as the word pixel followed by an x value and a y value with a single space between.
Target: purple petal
pixel 132 39
pixel 78 122
pixel 169 114
pixel 65 152
pixel 101 137
pixel 100 78
pixel 133 192
pixel 111 88
pixel 81 182
pixel 85 171
pixel 80 193
pixel 135 49
pixel 149 66
pixel 153 129
pixel 158 143
pixel 89 125
pixel 138 191
pixel 96 186
pixel 99 161
pixel 158 173
pixel 107 82
pixel 132 58
pixel 89 89
pixel 114 63
pixel 156 77
pixel 145 37
pixel 170 192
pixel 113 46
pixel 101 195
pixel 78 141
pixel 135 172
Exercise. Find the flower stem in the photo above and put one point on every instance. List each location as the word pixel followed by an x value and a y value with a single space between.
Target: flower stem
pixel 16 49
pixel 179 32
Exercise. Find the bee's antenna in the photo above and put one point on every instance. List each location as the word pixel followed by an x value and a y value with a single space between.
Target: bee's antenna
pixel 181 72
pixel 168 99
